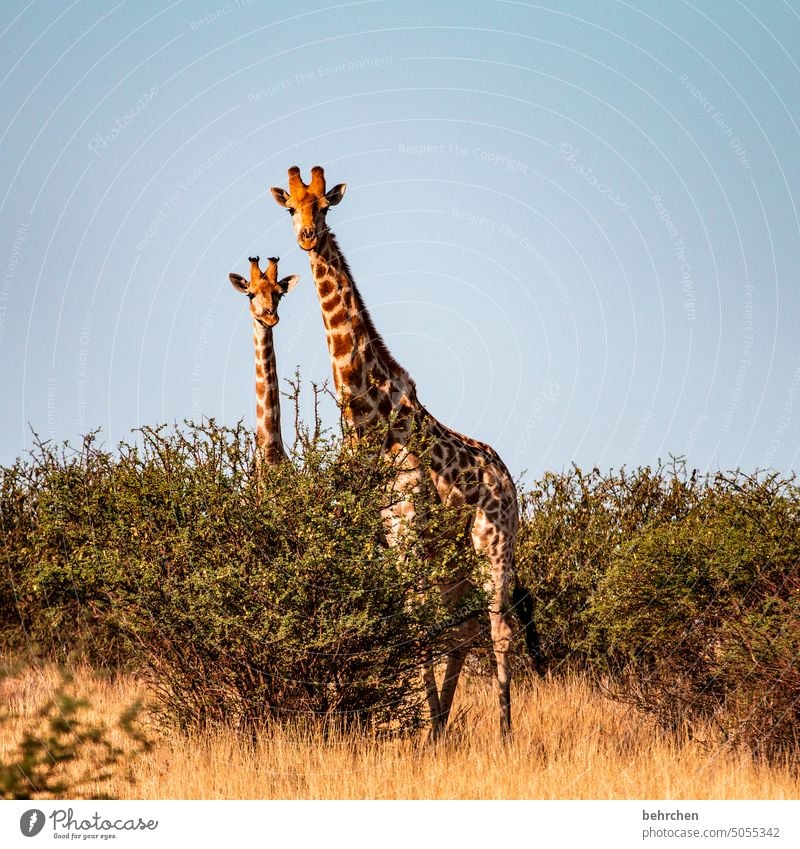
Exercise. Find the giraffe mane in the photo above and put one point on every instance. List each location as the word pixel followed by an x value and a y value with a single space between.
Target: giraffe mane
pixel 381 348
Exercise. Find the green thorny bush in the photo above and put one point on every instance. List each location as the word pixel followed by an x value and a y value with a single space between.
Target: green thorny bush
pixel 680 592
pixel 704 614
pixel 573 523
pixel 247 595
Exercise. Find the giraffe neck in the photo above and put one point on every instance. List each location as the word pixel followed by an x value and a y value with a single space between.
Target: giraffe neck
pixel 268 404
pixel 373 388
pixel 369 381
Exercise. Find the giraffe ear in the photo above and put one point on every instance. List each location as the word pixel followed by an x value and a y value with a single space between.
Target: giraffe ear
pixel 280 195
pixel 239 283
pixel 335 194
pixel 288 283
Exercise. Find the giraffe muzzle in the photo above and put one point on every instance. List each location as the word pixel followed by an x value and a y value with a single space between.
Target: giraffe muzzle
pixel 307 238
pixel 268 319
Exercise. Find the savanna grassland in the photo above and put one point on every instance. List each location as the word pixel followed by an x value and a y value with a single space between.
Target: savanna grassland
pixel 230 634
pixel 570 742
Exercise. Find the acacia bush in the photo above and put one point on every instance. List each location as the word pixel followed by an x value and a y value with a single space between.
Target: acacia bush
pixel 703 613
pixel 246 596
pixel 281 602
pixel 680 592
pixel 86 528
pixel 573 523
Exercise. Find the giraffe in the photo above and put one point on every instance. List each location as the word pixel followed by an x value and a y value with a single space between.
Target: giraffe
pixel 265 291
pixel 373 389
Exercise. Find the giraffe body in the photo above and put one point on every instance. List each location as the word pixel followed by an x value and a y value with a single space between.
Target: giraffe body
pixel 432 460
pixel 265 291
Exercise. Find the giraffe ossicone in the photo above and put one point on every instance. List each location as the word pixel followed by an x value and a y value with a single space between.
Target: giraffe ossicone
pixel 377 395
pixel 265 290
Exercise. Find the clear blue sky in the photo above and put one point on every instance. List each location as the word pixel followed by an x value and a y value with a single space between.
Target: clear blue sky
pixel 575 223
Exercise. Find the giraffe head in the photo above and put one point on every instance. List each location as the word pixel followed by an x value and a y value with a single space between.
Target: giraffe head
pixel 308 204
pixel 264 290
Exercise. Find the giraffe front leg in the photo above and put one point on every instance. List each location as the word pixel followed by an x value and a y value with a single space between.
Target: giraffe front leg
pixel 497 545
pixel 501 643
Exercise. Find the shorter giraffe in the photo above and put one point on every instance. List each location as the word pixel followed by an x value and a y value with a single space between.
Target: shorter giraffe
pixel 265 292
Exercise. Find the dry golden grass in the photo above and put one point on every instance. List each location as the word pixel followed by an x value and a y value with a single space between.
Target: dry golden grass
pixel 569 743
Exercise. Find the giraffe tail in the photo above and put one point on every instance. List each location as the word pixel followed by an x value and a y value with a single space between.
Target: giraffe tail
pixel 523 608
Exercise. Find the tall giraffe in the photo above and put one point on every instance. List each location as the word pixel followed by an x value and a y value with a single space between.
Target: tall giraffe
pixel 265 291
pixel 465 474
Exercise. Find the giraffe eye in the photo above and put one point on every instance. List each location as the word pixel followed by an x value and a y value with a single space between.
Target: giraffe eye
pixel 250 295
pixel 291 210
